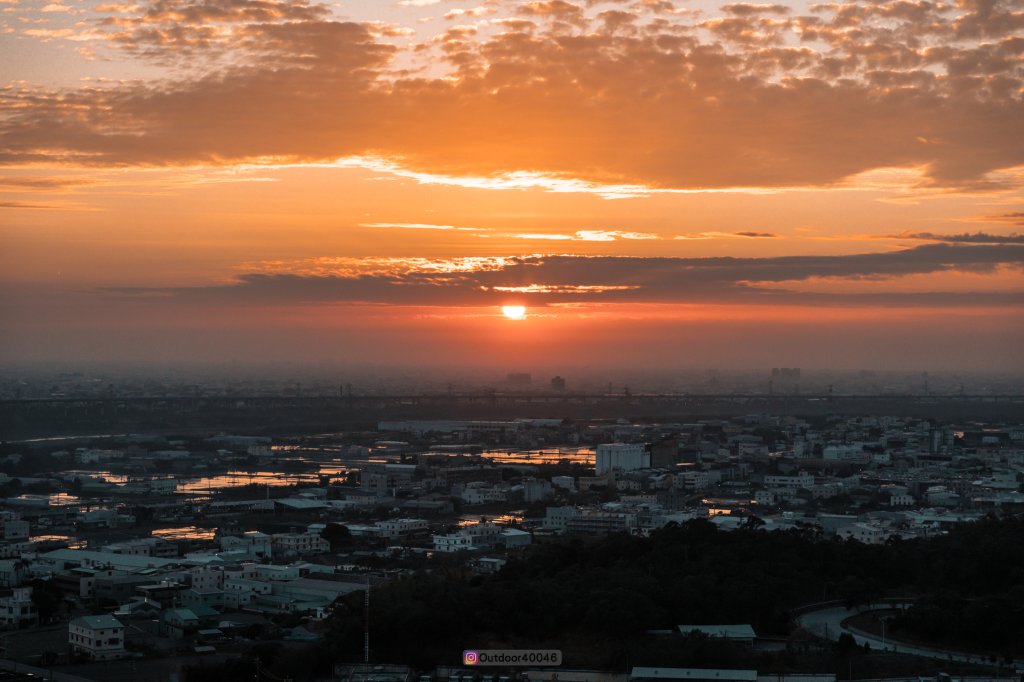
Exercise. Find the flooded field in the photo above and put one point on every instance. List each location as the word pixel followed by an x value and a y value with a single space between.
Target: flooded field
pixel 184 533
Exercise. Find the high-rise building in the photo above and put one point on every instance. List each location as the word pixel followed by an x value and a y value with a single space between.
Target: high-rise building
pixel 622 457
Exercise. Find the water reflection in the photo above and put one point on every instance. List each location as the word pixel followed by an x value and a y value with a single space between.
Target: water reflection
pixel 47 499
pixel 584 456
pixel 184 533
pixel 236 479
pixel 512 518
pixel 68 541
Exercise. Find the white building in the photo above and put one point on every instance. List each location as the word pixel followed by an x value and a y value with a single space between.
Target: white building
pixel 864 532
pixel 256 543
pixel 452 542
pixel 239 592
pixel 98 637
pixel 137 547
pixel 482 494
pixel 694 480
pixel 206 578
pixel 513 538
pixel 16 608
pixel 471 537
pixel 536 490
pixel 559 517
pixel 803 480
pixel 400 528
pixel 622 456
pixel 299 543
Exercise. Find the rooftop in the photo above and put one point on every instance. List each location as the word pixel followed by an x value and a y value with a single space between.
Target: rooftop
pixel 97 622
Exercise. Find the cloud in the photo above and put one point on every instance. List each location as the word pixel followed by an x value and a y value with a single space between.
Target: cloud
pixel 422 226
pixel 964 238
pixel 587 235
pixel 1013 217
pixel 549 279
pixel 44 183
pixel 760 97
pixel 726 235
pixel 23 204
pixel 53 206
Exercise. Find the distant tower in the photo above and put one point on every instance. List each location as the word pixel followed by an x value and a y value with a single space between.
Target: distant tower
pixel 558 384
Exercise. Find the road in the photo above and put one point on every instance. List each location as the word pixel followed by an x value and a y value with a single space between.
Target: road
pixel 828 623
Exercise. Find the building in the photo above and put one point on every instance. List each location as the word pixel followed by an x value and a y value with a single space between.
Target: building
pixel 299 543
pixel 97 637
pixel 206 577
pixel 400 528
pixel 15 529
pixel 592 522
pixel 559 517
pixel 536 489
pixel 240 592
pixel 513 538
pixel 622 457
pixel 694 480
pixel 16 608
pixel 179 623
pixel 12 572
pixel 254 542
pixel 452 542
pixel 864 532
pixel 803 480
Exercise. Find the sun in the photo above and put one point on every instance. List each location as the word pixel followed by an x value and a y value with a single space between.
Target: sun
pixel 514 312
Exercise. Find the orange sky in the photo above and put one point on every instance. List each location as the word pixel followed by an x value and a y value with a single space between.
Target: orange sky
pixel 659 182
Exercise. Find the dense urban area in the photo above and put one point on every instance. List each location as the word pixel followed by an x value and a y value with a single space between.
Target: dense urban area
pixel 756 547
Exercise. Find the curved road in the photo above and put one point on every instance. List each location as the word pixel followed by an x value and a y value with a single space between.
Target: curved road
pixel 827 623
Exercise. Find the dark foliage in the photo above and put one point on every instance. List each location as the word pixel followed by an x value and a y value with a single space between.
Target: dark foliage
pixel 596 601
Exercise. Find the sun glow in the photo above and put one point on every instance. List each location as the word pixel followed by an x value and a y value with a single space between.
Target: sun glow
pixel 514 312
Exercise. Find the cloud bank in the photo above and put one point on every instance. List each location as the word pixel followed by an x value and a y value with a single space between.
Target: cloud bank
pixel 561 279
pixel 643 93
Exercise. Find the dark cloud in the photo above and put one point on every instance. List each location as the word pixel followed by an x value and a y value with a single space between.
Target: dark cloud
pixel 539 280
pixel 747 9
pixel 1014 218
pixel 964 238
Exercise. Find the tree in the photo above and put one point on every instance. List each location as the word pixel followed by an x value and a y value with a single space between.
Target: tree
pixel 846 644
pixel 46 597
pixel 336 534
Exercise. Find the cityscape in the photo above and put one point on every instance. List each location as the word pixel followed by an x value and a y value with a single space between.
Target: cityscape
pixel 266 552
pixel 511 341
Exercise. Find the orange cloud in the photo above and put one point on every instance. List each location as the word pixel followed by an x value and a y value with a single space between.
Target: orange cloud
pixel 757 98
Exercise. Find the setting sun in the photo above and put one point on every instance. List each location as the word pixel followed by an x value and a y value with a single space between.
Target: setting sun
pixel 514 312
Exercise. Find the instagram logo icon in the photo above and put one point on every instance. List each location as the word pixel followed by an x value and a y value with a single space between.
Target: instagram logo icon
pixel 470 657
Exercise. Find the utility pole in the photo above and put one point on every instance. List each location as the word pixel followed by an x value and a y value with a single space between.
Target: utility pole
pixel 366 632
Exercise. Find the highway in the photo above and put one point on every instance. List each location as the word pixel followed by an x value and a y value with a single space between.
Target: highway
pixel 828 623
